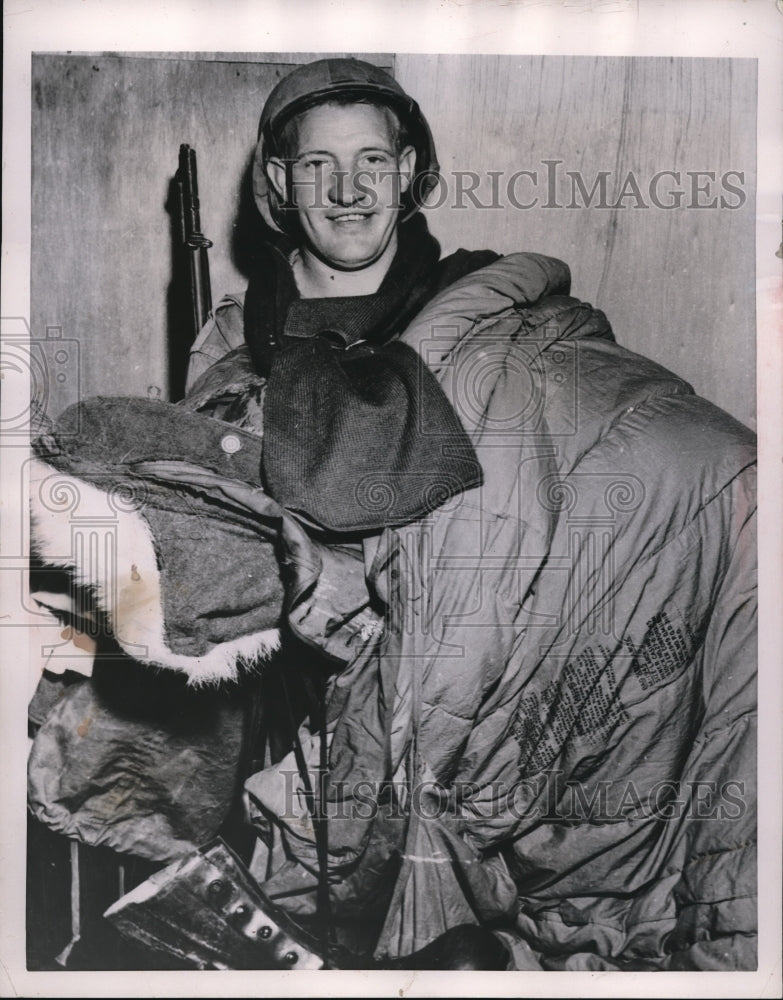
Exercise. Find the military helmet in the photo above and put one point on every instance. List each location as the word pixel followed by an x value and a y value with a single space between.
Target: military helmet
pixel 317 82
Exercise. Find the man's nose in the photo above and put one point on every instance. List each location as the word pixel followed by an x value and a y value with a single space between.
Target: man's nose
pixel 345 187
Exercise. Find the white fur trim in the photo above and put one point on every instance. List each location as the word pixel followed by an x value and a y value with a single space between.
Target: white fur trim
pixel 111 550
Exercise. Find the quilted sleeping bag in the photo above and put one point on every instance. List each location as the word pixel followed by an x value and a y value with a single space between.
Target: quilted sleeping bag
pixel 569 659
pixel 546 717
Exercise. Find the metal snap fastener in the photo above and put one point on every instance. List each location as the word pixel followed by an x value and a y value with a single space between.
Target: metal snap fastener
pixel 215 888
pixel 290 958
pixel 264 932
pixel 230 443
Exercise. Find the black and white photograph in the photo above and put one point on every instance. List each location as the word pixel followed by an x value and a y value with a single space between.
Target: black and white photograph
pixel 381 552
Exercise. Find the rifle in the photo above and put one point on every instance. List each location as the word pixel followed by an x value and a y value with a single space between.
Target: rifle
pixel 194 241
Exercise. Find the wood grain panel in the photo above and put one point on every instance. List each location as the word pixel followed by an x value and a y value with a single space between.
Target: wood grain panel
pixel 677 284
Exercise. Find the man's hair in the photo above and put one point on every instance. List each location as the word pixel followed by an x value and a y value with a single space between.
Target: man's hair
pixel 286 141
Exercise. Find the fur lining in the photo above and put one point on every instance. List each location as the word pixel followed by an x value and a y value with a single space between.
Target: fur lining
pixel 124 576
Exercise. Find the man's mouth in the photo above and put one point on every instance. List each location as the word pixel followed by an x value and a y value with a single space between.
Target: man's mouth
pixel 350 217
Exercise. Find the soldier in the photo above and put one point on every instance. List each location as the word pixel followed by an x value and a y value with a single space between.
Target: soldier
pixel 344 159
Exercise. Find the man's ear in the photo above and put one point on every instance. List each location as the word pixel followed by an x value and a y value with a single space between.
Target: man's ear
pixel 276 175
pixel 407 161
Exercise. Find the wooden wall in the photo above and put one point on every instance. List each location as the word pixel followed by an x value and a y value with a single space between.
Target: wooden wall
pixel 678 285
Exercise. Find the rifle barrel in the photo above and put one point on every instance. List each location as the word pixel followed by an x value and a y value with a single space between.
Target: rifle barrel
pixel 194 241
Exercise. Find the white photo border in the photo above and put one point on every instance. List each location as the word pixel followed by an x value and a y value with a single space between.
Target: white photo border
pixel 726 28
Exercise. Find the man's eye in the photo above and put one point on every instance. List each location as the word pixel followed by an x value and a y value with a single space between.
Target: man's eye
pixel 313 163
pixel 376 159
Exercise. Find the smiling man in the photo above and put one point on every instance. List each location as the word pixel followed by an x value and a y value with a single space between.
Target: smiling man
pixel 343 162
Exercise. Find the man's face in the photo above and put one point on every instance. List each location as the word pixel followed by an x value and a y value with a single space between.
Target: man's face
pixel 347 177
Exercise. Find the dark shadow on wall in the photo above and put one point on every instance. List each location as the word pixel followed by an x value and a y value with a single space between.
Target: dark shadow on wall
pixel 249 228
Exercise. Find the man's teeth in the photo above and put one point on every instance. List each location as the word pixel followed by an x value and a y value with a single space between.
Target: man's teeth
pixel 353 217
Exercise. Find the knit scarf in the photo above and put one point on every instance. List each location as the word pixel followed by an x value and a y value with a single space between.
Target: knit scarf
pixel 358 434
